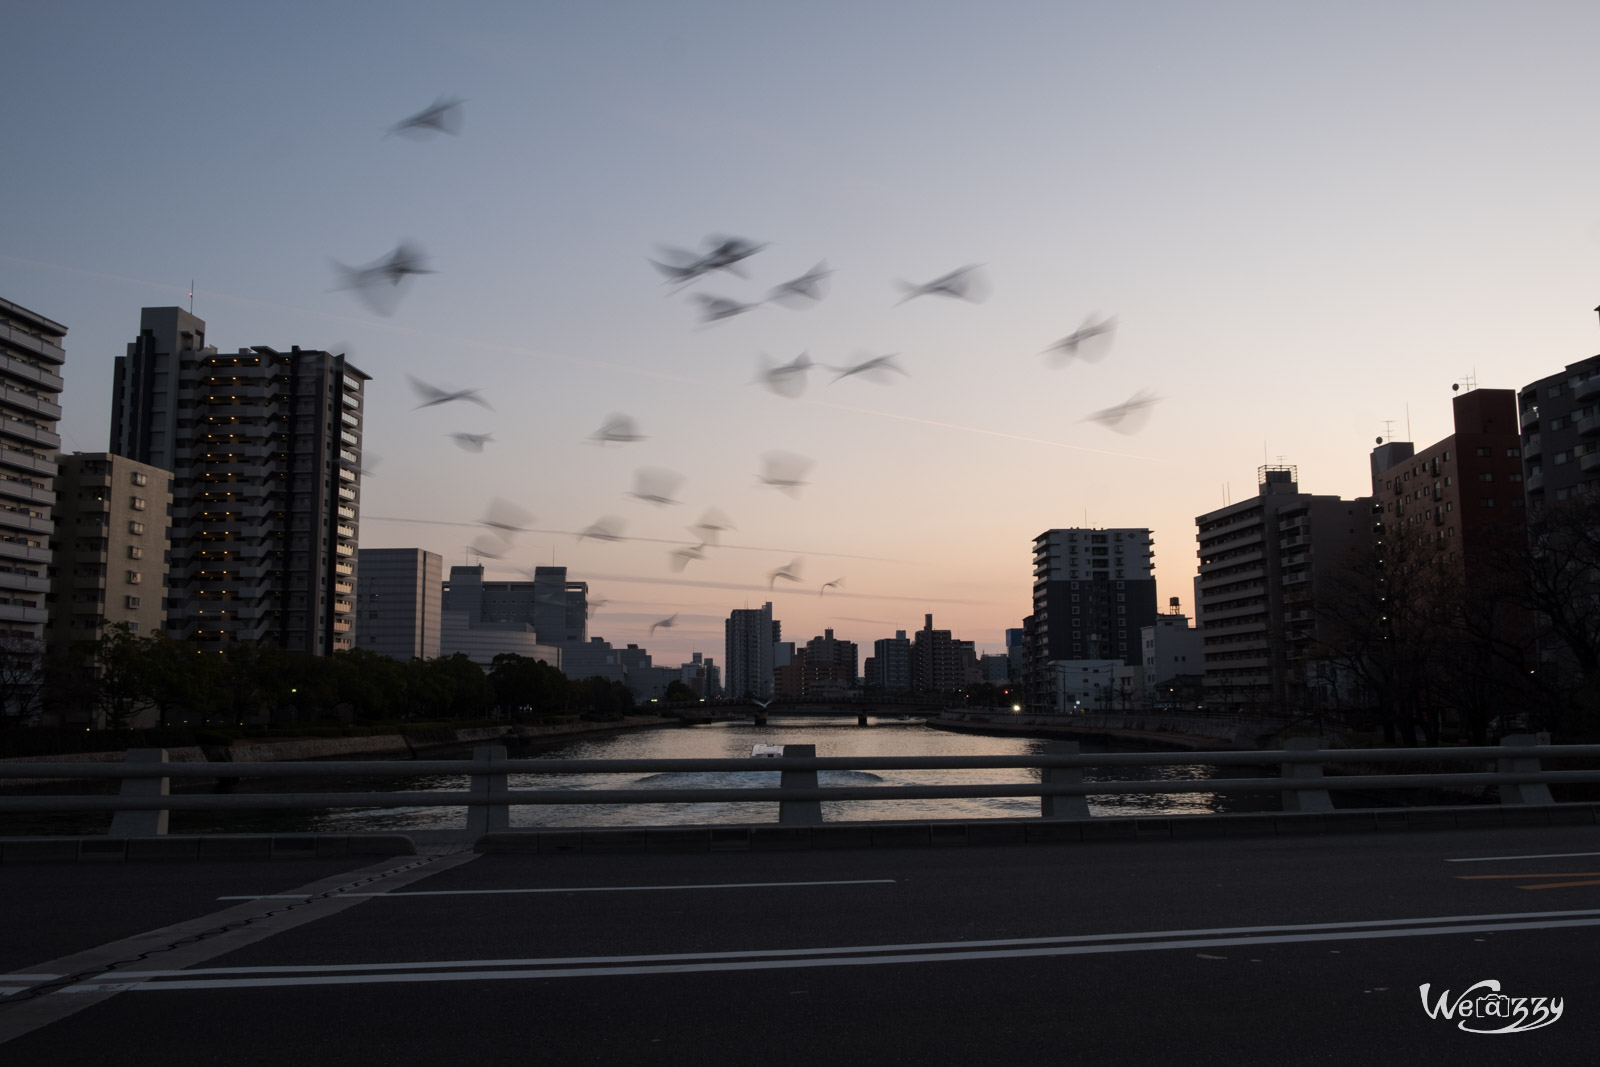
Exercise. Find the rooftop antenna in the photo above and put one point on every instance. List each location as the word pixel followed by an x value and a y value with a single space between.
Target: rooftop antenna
pixel 191 296
pixel 1388 430
pixel 1408 423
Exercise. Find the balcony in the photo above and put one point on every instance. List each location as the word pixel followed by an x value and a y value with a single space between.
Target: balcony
pixel 349 419
pixel 349 438
pixel 1296 578
pixel 342 626
pixel 343 607
pixel 346 569
pixel 347 512
pixel 1528 418
pixel 346 493
pixel 1587 389
pixel 345 588
pixel 1535 483
pixel 345 550
pixel 346 531
pixel 1589 461
pixel 1589 427
pixel 346 474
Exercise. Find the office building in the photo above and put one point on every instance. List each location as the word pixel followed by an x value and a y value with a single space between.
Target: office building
pixel 265 452
pixel 1170 648
pixel 1093 590
pixel 31 357
pixel 1265 563
pixel 110 549
pixel 399 602
pixel 750 635
pixel 557 609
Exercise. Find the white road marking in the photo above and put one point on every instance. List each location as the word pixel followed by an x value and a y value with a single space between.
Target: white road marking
pixel 831 961
pixel 577 889
pixel 1542 856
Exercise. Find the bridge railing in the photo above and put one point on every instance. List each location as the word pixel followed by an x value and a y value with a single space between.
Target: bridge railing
pixel 142 808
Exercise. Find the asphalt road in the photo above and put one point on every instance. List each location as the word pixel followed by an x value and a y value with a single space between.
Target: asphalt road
pixel 1250 950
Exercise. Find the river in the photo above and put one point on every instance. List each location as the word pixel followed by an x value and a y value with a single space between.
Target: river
pixel 831 736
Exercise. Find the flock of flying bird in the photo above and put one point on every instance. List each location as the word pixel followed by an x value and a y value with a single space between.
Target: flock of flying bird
pixel 381 284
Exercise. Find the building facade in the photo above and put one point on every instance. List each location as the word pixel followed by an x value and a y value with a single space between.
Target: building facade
pixel 110 549
pixel 828 662
pixel 1559 420
pixel 31 357
pixel 558 610
pixel 749 635
pixel 889 666
pixel 265 451
pixel 1093 591
pixel 399 605
pixel 1264 564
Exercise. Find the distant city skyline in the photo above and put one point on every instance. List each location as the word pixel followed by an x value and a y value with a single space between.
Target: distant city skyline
pixel 1305 224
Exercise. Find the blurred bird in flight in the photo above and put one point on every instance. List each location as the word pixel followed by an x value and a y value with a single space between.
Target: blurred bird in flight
pixel 618 428
pixel 803 291
pixel 378 285
pixel 605 528
pixel 472 442
pixel 1091 342
pixel 784 471
pixel 966 283
pixel 875 369
pixel 785 379
pixel 789 573
pixel 1127 417
pixel 432 395
pixel 655 485
pixel 444 116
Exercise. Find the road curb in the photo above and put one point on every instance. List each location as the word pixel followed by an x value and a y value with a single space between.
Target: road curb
pixel 169 847
pixel 957 833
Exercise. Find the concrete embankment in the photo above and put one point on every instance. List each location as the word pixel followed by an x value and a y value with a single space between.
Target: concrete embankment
pixel 1198 735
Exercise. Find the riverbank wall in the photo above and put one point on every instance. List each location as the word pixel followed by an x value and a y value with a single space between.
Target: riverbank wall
pixel 1180 733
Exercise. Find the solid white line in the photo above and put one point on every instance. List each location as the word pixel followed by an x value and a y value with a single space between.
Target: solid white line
pixel 1541 856
pixel 914 947
pixel 836 961
pixel 575 889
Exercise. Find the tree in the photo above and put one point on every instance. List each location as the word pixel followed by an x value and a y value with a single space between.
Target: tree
pixel 21 677
pixel 1562 561
pixel 678 691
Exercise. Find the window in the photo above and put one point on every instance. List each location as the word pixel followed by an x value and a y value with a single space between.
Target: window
pixel 1562 457
pixel 136 527
pixel 136 503
pixel 1487 501
pixel 1515 477
pixel 139 478
pixel 135 552
pixel 1485 451
pixel 135 577
pixel 1514 453
pixel 1486 477
pixel 132 601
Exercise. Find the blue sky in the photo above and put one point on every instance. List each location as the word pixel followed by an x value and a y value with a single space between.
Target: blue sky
pixel 1307 221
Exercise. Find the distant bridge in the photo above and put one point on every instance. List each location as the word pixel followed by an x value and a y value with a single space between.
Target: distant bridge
pixel 697 711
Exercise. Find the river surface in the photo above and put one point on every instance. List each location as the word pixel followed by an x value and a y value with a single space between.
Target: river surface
pixel 832 737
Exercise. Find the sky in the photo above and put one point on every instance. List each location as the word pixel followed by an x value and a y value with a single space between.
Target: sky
pixel 1308 221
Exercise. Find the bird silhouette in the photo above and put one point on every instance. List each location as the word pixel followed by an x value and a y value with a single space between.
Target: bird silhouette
pixel 471 442
pixel 789 572
pixel 682 557
pixel 784 471
pixel 618 428
pixel 717 308
pixel 1091 342
pixel 488 547
pixel 655 485
pixel 723 253
pixel 830 585
pixel 432 395
pixel 785 379
pixel 506 518
pixel 875 369
pixel 443 116
pixel 378 284
pixel 668 622
pixel 605 528
pixel 966 283
pixel 712 523
pixel 803 291
pixel 1127 417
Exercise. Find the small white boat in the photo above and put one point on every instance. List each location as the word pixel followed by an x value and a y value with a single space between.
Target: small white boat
pixel 766 750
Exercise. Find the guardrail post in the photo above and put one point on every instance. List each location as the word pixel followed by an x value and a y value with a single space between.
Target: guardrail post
pixel 1062 807
pixel 142 823
pixel 799 812
pixel 484 817
pixel 1523 792
pixel 1305 799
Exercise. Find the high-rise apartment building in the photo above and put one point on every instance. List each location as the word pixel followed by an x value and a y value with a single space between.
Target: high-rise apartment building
pixel 110 549
pixel 749 635
pixel 1560 422
pixel 828 659
pixel 889 666
pixel 1264 564
pixel 938 664
pixel 1093 590
pixel 265 451
pixel 398 602
pixel 30 372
